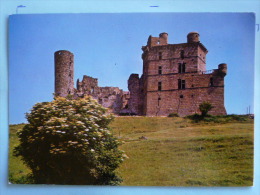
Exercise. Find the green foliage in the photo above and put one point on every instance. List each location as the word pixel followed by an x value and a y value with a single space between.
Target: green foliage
pixel 173 115
pixel 195 117
pixel 24 179
pixel 68 142
pixel 235 117
pixel 205 107
pixel 219 119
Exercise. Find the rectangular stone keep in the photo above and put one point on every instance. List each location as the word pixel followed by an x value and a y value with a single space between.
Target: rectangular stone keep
pixel 175 79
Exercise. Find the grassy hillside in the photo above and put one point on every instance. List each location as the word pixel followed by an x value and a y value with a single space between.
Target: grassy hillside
pixel 177 152
pixel 17 170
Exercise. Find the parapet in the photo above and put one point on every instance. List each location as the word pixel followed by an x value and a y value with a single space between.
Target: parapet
pixel 62 52
pixel 161 40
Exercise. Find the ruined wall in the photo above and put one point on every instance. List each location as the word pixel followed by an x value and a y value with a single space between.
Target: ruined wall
pixel 135 102
pixel 88 86
pixel 110 97
pixel 64 73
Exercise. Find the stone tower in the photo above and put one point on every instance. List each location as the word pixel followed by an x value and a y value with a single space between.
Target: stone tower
pixel 175 79
pixel 64 73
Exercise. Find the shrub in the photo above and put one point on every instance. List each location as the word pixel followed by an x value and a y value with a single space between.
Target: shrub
pixel 68 142
pixel 238 117
pixel 173 115
pixel 195 117
pixel 205 107
pixel 127 114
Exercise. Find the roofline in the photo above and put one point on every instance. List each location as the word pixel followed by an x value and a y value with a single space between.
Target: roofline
pixel 199 43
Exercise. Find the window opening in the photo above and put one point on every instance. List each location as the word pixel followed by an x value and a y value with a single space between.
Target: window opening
pixel 211 82
pixel 179 68
pixel 160 70
pixel 160 55
pixel 181 84
pixel 159 86
pixel 182 54
pixel 182 67
pixel 159 99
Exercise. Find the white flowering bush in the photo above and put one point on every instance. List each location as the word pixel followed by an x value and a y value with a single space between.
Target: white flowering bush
pixel 69 142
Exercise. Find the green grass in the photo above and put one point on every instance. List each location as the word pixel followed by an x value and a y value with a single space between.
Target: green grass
pixel 177 151
pixel 17 170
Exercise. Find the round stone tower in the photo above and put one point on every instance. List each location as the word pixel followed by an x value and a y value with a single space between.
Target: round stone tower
pixel 193 37
pixel 64 73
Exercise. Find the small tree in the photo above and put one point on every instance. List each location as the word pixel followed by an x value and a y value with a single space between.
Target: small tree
pixel 205 107
pixel 68 142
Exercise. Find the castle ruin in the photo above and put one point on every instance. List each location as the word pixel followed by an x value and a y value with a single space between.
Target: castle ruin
pixel 174 80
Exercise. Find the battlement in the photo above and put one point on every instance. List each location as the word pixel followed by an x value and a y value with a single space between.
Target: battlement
pixel 192 37
pixel 161 40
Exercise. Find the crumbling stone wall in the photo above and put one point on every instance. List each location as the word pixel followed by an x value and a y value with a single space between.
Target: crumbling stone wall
pixel 135 102
pixel 110 97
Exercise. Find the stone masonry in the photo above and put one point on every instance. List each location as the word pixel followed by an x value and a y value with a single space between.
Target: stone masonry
pixel 110 97
pixel 64 73
pixel 174 80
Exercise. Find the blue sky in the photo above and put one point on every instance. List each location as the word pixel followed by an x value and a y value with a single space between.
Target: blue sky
pixel 108 47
